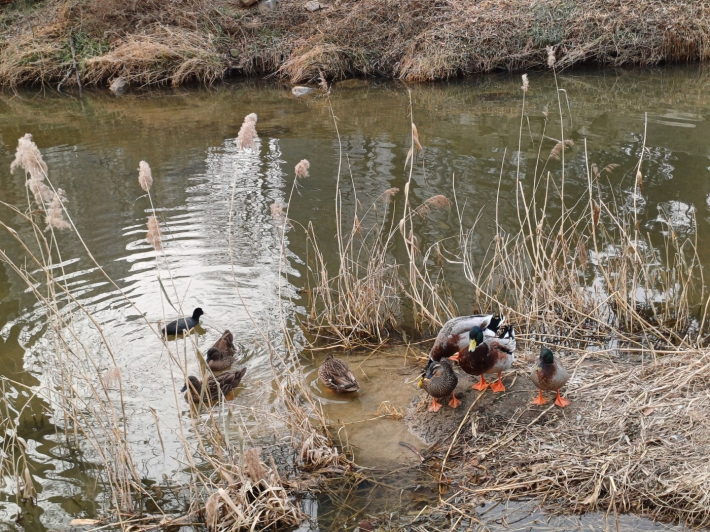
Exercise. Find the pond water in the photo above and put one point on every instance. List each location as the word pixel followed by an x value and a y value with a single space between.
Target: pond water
pixel 469 129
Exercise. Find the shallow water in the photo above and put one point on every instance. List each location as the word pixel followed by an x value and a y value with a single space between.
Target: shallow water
pixel 469 130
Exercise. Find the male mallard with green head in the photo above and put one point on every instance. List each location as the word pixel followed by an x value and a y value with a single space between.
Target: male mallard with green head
pixel 440 382
pixel 336 375
pixel 487 355
pixel 221 355
pixel 548 374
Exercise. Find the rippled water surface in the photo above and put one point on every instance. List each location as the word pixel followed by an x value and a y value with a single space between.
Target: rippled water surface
pixel 470 132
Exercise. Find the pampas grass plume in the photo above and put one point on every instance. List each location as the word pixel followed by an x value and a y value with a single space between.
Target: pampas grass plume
pixel 302 168
pixel 154 237
pixel 29 158
pixel 526 83
pixel 247 134
pixel 145 176
pixel 55 218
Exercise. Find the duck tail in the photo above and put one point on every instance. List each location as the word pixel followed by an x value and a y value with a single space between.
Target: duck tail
pixel 496 322
pixel 426 368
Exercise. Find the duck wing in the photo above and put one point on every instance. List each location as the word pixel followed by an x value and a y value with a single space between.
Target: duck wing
pixel 338 374
pixel 229 380
pixel 453 336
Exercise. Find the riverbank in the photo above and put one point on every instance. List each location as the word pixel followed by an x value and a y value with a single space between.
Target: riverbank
pixel 58 42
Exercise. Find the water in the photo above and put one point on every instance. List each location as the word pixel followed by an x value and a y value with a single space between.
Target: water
pixel 469 130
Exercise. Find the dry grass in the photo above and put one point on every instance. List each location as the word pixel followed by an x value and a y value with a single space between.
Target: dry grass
pixel 416 40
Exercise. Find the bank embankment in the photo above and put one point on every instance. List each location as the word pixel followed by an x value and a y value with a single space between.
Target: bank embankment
pixel 61 42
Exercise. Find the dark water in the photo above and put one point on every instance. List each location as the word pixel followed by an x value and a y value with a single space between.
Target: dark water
pixel 469 130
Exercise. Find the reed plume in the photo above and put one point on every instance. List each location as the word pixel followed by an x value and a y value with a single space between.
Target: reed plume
pixel 54 216
pixel 145 176
pixel 550 57
pixel 526 83
pixel 29 158
pixel 252 464
pixel 247 137
pixel 302 168
pixel 154 236
pixel 435 202
pixel 388 194
pixel 559 148
pixel 277 210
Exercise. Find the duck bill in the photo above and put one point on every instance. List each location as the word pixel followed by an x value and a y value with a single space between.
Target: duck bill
pixel 472 345
pixel 183 389
pixel 421 382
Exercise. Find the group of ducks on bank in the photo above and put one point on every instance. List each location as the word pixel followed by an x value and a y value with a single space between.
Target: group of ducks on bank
pixel 471 341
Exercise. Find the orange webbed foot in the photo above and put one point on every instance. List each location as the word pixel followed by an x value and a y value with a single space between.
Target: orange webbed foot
pixel 539 400
pixel 435 406
pixel 561 401
pixel 454 402
pixel 497 386
pixel 481 386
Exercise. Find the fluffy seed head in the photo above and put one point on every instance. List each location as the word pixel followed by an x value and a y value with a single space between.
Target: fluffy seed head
pixel 550 57
pixel 526 83
pixel 29 158
pixel 302 168
pixel 54 215
pixel 277 210
pixel 388 194
pixel 154 237
pixel 435 202
pixel 145 176
pixel 247 134
pixel 559 148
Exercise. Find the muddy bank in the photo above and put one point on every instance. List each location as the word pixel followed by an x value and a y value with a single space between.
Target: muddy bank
pixel 154 42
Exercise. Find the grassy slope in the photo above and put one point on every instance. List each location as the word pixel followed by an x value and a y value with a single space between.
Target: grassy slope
pixel 151 41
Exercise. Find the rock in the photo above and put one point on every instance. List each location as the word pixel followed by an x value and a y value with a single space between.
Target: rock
pixel 300 90
pixel 312 6
pixel 234 52
pixel 352 83
pixel 249 3
pixel 118 86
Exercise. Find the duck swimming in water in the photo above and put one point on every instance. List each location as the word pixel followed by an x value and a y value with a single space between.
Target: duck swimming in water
pixel 440 382
pixel 454 335
pixel 336 375
pixel 183 325
pixel 489 355
pixel 549 374
pixel 221 355
pixel 224 383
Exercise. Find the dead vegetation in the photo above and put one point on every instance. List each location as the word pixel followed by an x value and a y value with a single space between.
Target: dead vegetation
pixel 201 40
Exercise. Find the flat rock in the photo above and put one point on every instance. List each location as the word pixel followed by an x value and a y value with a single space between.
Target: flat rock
pixel 300 90
pixel 118 86
pixel 313 5
pixel 249 3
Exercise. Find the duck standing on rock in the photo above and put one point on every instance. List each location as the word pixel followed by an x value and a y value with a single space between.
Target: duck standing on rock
pixel 454 335
pixel 336 375
pixel 440 382
pixel 224 383
pixel 549 374
pixel 489 355
pixel 183 325
pixel 221 355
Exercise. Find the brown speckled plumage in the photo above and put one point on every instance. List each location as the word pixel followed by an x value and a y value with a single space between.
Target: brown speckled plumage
pixel 221 355
pixel 336 375
pixel 440 381
pixel 225 382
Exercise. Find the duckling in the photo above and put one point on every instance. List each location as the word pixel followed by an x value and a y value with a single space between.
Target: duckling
pixel 221 355
pixel 225 382
pixel 336 375
pixel 453 336
pixel 440 381
pixel 183 325
pixel 548 374
pixel 489 355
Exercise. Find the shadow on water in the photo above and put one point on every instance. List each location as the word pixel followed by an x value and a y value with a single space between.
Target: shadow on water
pixel 469 130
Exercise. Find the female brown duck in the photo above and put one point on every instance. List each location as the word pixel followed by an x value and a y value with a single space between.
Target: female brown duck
pixel 549 374
pixel 224 383
pixel 440 382
pixel 336 375
pixel 221 355
pixel 489 355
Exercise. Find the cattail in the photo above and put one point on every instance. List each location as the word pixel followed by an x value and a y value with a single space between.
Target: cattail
pixel 247 134
pixel 145 176
pixel 154 237
pixel 302 168
pixel 253 465
pixel 526 83
pixel 54 215
pixel 559 148
pixel 550 57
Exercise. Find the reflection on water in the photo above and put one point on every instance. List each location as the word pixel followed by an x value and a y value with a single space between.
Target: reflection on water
pixel 470 133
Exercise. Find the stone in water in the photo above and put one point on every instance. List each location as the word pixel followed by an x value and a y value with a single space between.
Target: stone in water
pixel 300 91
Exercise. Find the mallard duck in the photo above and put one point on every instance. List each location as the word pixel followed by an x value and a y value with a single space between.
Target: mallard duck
pixel 225 382
pixel 453 336
pixel 221 355
pixel 439 382
pixel 489 355
pixel 336 375
pixel 548 374
pixel 182 325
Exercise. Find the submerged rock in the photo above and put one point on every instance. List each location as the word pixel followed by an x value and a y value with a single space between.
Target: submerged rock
pixel 300 90
pixel 119 86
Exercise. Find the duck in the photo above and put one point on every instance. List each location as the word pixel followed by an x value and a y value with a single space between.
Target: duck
pixel 487 355
pixel 453 336
pixel 224 383
pixel 439 382
pixel 336 375
pixel 549 374
pixel 221 355
pixel 183 325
